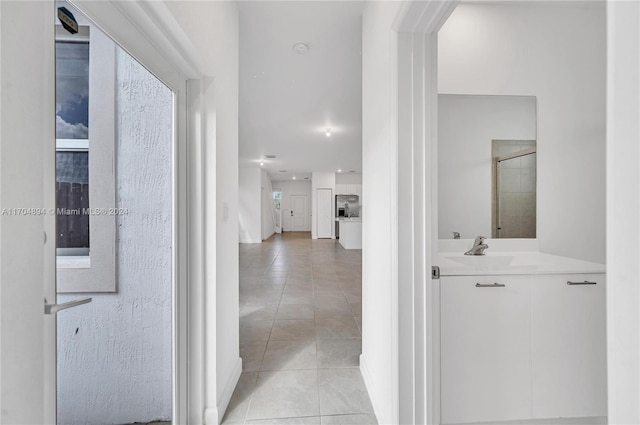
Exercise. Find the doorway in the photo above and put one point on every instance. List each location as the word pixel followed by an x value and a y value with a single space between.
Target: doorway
pixel 114 233
pixel 277 203
pixel 418 51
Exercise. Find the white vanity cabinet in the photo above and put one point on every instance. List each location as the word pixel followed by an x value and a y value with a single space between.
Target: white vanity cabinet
pixel 485 348
pixel 534 348
pixel 569 346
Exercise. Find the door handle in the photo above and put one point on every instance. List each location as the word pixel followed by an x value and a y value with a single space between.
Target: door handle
pixel 490 285
pixel 54 308
pixel 586 282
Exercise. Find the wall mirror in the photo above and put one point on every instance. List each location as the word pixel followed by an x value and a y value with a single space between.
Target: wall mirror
pixel 486 166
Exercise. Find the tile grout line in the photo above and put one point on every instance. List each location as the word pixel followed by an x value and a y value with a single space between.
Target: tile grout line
pixel 315 331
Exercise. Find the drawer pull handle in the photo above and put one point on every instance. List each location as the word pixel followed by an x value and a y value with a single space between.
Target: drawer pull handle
pixel 586 282
pixel 490 285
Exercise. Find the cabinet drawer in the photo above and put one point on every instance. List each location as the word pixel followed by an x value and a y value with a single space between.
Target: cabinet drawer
pixel 485 348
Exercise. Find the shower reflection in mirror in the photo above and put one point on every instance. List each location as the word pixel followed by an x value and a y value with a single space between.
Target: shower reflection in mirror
pixel 514 188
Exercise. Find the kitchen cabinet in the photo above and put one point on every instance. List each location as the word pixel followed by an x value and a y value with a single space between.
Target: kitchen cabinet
pixel 569 346
pixel 350 233
pixel 534 348
pixel 485 349
pixel 348 189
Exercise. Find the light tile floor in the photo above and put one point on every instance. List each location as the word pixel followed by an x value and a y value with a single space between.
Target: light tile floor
pixel 300 334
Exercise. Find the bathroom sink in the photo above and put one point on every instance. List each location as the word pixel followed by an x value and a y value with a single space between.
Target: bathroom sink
pixel 484 261
pixel 511 262
pixel 498 261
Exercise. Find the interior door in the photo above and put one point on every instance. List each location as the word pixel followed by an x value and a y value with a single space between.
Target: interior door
pixel 26 101
pixel 299 214
pixel 324 213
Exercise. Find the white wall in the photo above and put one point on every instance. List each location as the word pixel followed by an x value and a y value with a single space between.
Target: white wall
pixel 114 354
pixel 623 212
pixel 348 178
pixel 466 126
pixel 289 188
pixel 249 213
pixel 321 180
pixel 555 52
pixel 379 281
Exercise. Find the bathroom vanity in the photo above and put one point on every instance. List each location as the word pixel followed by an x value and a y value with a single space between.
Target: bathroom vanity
pixel 522 336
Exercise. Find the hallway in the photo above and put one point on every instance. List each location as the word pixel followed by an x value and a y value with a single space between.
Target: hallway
pixel 300 334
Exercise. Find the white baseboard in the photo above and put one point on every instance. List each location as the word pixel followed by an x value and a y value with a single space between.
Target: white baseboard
pixel 368 383
pixel 211 416
pixel 214 415
pixel 225 397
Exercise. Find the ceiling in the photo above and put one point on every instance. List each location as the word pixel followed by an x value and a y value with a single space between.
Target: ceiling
pixel 287 99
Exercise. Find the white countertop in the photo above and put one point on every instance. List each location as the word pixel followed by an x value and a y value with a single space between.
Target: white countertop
pixel 508 258
pixel 346 220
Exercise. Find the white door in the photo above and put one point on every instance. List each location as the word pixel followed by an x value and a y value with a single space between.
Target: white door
pixel 325 218
pixel 26 101
pixel 299 214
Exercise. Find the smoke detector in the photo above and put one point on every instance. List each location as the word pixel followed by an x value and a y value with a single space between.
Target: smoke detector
pixel 301 48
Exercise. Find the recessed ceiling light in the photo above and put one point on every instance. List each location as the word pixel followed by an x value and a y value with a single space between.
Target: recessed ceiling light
pixel 294 177
pixel 301 48
pixel 327 132
pixel 339 171
pixel 261 164
pixel 270 156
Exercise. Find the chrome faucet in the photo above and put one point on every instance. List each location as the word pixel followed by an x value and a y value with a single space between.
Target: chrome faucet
pixel 478 247
pixel 456 235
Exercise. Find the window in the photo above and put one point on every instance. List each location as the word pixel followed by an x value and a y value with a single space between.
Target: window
pixel 72 202
pixel 72 147
pixel 85 153
pixel 277 196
